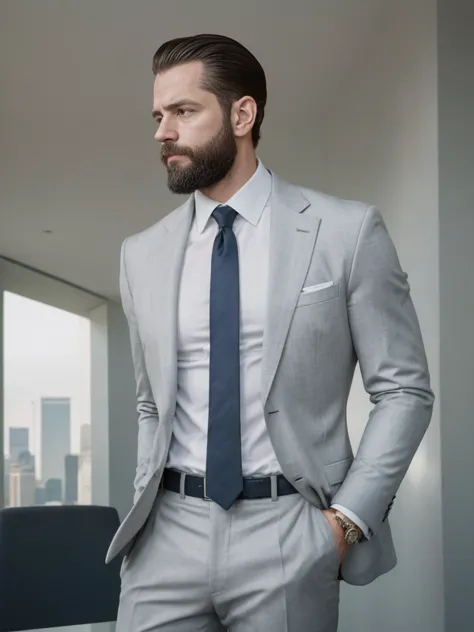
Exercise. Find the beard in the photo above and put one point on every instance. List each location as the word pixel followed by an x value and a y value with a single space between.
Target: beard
pixel 209 164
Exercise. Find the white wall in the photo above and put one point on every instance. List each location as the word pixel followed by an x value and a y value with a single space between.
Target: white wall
pixel 380 146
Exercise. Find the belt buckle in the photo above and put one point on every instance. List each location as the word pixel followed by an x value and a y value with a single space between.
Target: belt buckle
pixel 206 497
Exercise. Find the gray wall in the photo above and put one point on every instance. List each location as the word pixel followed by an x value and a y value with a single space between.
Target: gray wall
pixel 456 220
pixel 122 412
pixel 381 146
pixel 113 416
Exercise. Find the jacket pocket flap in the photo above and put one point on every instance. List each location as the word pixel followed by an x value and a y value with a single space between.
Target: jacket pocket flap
pixel 337 472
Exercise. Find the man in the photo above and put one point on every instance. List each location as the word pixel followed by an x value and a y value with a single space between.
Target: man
pixel 249 307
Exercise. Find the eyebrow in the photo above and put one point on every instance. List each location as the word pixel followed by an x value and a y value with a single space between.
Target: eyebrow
pixel 176 106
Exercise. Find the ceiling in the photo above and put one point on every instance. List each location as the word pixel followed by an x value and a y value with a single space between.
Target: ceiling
pixel 79 170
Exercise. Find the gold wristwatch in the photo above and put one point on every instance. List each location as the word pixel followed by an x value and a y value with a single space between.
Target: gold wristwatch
pixel 352 533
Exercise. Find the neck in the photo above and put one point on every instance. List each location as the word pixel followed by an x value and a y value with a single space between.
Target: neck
pixel 243 169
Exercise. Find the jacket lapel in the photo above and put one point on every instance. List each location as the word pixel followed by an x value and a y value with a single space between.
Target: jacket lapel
pixel 293 236
pixel 164 297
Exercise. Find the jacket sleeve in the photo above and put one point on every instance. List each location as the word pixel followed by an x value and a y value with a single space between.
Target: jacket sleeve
pixel 146 406
pixel 389 346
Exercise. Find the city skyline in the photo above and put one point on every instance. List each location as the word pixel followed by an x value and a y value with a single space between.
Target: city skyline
pixel 47 355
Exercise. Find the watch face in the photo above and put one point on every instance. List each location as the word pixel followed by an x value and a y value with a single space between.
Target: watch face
pixel 352 536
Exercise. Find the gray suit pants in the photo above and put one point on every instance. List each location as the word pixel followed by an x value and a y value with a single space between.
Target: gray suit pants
pixel 261 566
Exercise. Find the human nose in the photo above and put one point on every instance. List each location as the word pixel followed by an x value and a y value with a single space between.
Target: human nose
pixel 166 131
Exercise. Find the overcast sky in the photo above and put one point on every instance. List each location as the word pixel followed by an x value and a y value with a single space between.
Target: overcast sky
pixel 47 354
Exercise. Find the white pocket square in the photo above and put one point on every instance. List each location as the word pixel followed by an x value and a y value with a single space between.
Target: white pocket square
pixel 315 288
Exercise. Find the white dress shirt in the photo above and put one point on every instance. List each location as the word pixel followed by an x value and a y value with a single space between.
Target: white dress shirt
pixel 188 447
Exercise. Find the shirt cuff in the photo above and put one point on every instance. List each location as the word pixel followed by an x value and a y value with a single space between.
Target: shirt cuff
pixel 352 516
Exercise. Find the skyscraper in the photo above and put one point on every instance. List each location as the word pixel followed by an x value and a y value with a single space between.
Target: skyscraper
pixel 19 442
pixel 40 494
pixel 6 489
pixel 85 438
pixel 85 466
pixel 55 437
pixel 22 481
pixel 53 491
pixel 71 488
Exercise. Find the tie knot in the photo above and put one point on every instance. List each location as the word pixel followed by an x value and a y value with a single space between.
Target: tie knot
pixel 224 216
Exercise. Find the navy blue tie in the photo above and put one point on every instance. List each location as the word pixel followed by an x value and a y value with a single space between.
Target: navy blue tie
pixel 224 480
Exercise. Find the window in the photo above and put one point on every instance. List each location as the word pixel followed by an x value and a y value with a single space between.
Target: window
pixel 47 439
pixel 53 339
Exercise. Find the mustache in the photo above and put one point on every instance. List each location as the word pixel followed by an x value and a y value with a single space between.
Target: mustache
pixel 171 149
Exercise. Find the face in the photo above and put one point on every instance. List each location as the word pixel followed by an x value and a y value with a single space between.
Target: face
pixel 198 145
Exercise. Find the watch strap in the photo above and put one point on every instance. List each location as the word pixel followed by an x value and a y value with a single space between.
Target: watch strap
pixel 348 526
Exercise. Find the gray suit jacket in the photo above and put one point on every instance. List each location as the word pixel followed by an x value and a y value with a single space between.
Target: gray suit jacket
pixel 312 342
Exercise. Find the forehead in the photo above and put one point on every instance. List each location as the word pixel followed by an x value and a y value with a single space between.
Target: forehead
pixel 180 83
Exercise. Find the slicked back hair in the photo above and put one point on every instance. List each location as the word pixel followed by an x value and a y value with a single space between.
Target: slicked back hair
pixel 230 70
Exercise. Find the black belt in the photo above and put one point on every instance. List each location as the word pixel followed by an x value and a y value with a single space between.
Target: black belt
pixel 254 488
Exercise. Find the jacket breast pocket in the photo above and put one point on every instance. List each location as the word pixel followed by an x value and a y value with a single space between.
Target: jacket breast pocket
pixel 318 295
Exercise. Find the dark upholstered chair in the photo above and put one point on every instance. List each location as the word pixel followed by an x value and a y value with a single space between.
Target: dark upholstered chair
pixel 52 567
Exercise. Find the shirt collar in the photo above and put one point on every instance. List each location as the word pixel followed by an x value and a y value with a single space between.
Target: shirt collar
pixel 249 201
